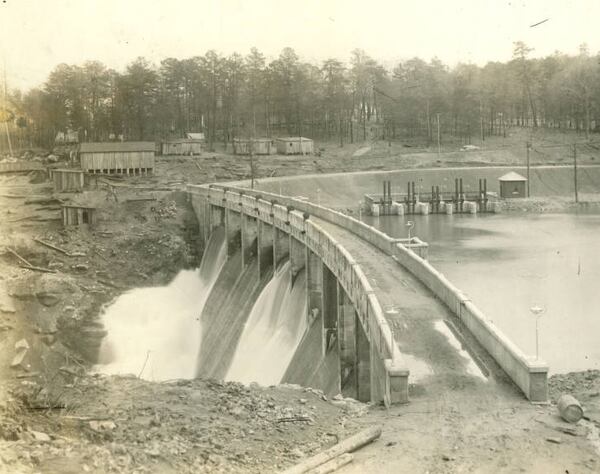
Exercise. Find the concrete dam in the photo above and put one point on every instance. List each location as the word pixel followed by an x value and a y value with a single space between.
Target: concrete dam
pixel 291 291
pixel 377 318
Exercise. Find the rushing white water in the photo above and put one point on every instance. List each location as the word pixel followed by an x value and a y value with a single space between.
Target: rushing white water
pixel 156 331
pixel 273 331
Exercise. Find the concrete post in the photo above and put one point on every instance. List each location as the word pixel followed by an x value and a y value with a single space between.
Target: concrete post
pixel 249 238
pixel 202 210
pixel 314 292
pixel 297 257
pixel 398 208
pixel 347 343
pixel 422 208
pixel 281 246
pixel 233 231
pixel 330 313
pixel 216 217
pixel 265 247
pixel 363 362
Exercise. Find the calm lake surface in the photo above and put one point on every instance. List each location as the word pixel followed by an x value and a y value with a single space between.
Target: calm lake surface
pixel 509 263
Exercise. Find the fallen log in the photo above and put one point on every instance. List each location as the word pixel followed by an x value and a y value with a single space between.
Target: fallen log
pixel 291 419
pixel 15 196
pixel 38 269
pixel 109 284
pixel 45 200
pixel 50 246
pixel 349 445
pixel 333 465
pixel 26 262
pixel 31 217
pixel 140 199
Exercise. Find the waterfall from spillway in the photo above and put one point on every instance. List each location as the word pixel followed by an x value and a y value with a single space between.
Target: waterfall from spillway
pixel 156 332
pixel 273 331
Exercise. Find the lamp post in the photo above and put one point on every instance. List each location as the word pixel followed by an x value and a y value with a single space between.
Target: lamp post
pixel 537 312
pixel 318 196
pixel 410 225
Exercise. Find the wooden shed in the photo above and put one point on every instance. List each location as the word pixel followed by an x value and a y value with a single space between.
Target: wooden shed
pixel 195 136
pixel 67 179
pixel 513 185
pixel 63 138
pixel 182 146
pixel 295 146
pixel 259 146
pixel 117 157
pixel 78 214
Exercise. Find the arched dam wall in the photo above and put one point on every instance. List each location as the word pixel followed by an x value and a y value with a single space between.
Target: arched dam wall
pixel 387 378
pixel 348 344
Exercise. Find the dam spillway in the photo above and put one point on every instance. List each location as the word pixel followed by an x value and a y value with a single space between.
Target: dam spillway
pixel 274 329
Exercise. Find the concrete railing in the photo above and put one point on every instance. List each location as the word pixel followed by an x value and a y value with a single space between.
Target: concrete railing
pixel 528 373
pixel 389 375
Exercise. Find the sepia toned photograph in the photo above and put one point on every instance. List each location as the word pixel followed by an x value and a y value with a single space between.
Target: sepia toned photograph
pixel 299 237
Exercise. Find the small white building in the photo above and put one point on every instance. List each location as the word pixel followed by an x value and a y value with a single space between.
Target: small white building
pixel 513 185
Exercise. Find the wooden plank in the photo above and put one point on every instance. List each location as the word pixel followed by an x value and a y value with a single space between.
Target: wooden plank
pixel 18 256
pixel 333 465
pixel 350 444
pixel 50 246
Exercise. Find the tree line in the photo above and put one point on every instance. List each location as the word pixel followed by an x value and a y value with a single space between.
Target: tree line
pixel 242 96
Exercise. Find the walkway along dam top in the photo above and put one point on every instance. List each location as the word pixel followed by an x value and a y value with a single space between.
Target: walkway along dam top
pixel 350 249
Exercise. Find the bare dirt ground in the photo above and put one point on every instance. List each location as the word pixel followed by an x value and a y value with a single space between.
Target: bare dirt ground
pixel 57 417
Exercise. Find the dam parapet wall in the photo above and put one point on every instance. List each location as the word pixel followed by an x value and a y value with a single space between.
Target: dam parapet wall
pixel 292 214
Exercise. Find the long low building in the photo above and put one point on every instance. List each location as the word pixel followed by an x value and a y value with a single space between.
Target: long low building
pixel 117 157
pixel 182 146
pixel 294 146
pixel 258 146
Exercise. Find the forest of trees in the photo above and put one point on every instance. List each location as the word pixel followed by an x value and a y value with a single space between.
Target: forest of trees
pixel 231 96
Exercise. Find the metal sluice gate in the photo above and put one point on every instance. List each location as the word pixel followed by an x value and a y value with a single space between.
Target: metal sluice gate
pixel 418 202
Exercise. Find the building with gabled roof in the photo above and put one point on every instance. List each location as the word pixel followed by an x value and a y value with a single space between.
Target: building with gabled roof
pixel 513 185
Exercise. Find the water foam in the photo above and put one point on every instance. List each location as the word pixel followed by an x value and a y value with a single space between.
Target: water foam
pixel 273 331
pixel 155 332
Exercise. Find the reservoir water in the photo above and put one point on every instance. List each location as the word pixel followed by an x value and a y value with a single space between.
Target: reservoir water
pixel 508 264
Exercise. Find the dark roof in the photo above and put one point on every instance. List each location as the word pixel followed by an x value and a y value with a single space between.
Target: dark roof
pixel 102 147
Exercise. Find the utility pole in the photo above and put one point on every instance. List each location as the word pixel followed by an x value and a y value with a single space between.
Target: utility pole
pixel 575 171
pixel 528 145
pixel 482 133
pixel 5 106
pixel 438 135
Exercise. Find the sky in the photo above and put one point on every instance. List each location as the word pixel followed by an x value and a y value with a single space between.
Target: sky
pixel 39 34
